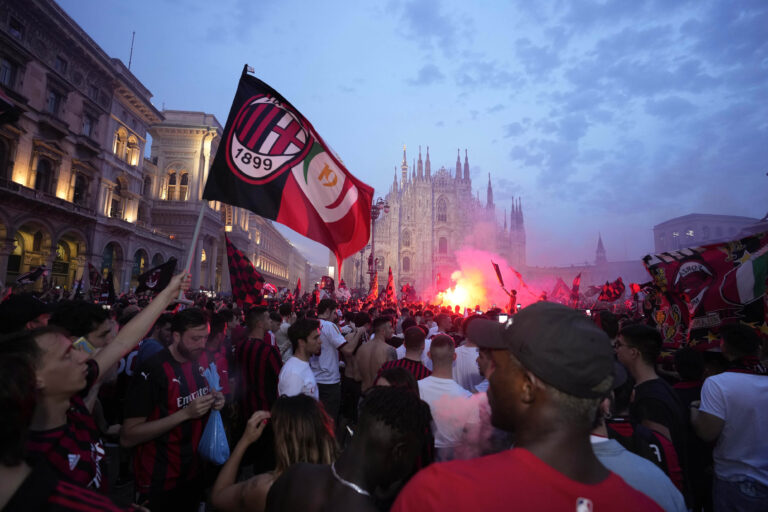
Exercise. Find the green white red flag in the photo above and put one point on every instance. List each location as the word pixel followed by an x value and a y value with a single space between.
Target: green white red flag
pixel 272 161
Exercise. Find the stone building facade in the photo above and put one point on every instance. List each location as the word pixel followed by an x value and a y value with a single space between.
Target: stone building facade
pixel 430 217
pixel 75 187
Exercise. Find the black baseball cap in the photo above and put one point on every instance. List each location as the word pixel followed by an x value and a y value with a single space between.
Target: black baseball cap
pixel 18 309
pixel 558 344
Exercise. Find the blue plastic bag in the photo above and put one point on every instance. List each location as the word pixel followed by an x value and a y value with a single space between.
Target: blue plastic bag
pixel 214 445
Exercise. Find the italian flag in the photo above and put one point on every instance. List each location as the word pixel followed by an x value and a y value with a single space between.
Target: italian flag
pixel 750 277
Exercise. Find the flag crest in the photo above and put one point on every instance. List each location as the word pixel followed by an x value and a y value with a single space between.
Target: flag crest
pixel 273 162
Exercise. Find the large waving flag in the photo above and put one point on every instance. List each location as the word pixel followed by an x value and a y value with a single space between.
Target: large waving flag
pixel 704 288
pixel 272 161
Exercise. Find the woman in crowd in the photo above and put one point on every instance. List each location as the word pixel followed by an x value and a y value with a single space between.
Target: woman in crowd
pixel 303 433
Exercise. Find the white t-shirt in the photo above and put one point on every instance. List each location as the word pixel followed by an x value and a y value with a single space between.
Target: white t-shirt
pixel 450 407
pixel 741 400
pixel 296 377
pixel 465 370
pixel 326 365
pixel 425 360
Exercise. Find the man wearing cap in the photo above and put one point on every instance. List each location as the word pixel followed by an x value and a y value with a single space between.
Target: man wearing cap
pixel 549 368
pixel 23 311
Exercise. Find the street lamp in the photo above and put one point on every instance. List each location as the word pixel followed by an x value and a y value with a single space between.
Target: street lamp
pixel 381 205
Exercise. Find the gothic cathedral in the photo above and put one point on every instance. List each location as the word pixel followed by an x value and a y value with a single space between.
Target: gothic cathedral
pixel 431 216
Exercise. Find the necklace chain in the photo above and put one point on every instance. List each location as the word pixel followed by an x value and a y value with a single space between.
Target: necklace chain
pixel 347 483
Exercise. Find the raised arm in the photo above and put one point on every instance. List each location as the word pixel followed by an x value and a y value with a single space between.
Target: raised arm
pixel 130 335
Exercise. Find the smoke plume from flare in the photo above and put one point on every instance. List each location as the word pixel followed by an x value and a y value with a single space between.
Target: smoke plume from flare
pixel 476 282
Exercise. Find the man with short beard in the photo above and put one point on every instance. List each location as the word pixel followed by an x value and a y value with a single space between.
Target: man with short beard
pixel 166 410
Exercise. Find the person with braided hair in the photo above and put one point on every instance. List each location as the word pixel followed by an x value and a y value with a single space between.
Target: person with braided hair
pixel 381 457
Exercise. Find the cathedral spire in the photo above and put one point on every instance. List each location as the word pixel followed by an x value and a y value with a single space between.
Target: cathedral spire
pixel 489 200
pixel 505 219
pixel 404 165
pixel 420 166
pixel 428 166
pixel 600 257
pixel 466 167
pixel 458 164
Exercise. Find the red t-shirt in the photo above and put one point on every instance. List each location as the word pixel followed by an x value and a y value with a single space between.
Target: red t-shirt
pixel 513 480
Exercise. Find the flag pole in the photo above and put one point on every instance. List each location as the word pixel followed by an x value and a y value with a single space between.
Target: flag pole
pixel 190 256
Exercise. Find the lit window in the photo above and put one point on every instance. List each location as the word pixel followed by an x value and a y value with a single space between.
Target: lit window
pixel 675 234
pixel 689 232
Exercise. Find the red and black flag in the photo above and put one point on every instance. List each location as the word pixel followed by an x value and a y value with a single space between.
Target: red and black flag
pixel 390 290
pixel 612 291
pixel 498 273
pixel 157 278
pixel 272 161
pixel 560 293
pixel 575 288
pixel 373 293
pixel 32 276
pixel 245 279
pixel 705 288
pixel 327 284
pixel 297 291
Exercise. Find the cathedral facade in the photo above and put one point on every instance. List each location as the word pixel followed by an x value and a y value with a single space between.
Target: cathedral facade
pixel 430 217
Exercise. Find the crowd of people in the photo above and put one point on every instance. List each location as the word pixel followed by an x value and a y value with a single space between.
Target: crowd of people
pixel 359 405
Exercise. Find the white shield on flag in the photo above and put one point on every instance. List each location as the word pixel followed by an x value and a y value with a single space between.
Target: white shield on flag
pixel 329 190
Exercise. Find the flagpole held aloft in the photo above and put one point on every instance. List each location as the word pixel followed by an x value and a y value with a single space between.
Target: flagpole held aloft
pixel 188 265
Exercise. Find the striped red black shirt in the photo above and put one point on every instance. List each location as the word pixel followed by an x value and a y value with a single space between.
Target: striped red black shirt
pixel 259 366
pixel 74 450
pixel 418 370
pixel 160 387
pixel 43 491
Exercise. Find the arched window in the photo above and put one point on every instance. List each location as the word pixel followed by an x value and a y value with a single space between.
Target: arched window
pixel 406 264
pixel 120 143
pixel 172 186
pixel 406 238
pixel 132 151
pixel 442 210
pixel 442 245
pixel 146 190
pixel 157 259
pixel 43 176
pixel 80 195
pixel 184 187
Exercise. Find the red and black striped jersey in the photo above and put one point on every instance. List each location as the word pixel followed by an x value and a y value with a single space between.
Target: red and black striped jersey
pixel 161 387
pixel 418 370
pixel 74 450
pixel 43 491
pixel 259 365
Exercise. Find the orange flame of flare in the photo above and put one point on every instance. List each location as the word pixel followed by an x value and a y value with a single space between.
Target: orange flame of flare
pixel 468 292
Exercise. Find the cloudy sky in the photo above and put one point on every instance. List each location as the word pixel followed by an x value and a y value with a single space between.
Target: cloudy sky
pixel 604 116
